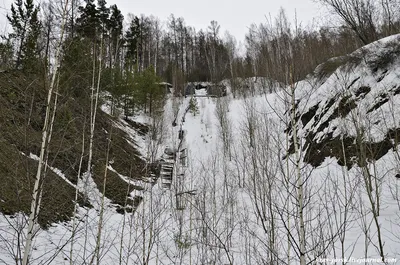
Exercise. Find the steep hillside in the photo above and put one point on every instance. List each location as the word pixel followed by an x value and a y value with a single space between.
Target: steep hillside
pixel 22 100
pixel 356 106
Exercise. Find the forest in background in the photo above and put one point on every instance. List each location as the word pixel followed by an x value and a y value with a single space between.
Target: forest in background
pixel 99 36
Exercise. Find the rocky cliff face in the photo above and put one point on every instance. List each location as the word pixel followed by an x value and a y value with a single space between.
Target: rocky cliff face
pixel 349 108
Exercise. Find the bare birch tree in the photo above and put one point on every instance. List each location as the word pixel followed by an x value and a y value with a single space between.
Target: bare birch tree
pixel 46 134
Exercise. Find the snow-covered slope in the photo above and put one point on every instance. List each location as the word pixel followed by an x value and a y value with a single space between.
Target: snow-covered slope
pixel 235 194
pixel 243 168
pixel 360 97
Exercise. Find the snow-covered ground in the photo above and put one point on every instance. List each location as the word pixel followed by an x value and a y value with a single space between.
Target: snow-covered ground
pixel 234 200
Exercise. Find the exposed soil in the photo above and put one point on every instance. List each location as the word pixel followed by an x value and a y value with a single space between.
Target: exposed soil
pixel 22 101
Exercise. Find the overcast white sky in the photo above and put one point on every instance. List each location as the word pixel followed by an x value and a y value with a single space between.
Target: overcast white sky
pixel 234 16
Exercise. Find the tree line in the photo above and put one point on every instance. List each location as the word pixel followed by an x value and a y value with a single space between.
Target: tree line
pixel 179 53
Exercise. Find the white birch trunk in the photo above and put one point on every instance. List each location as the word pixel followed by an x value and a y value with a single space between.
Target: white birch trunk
pixel 74 227
pixel 300 199
pixel 100 225
pixel 93 99
pixel 46 133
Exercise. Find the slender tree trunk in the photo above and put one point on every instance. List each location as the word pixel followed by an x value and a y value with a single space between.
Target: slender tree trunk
pixel 93 111
pixel 93 107
pixel 45 161
pixel 300 191
pixel 46 133
pixel 76 198
pixel 100 225
pixel 101 215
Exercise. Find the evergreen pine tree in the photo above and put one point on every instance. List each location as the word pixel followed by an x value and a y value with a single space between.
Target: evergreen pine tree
pixel 26 29
pixel 132 40
pixel 6 55
pixel 116 35
pixel 30 49
pixel 103 13
pixel 193 107
pixel 148 90
pixel 88 22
